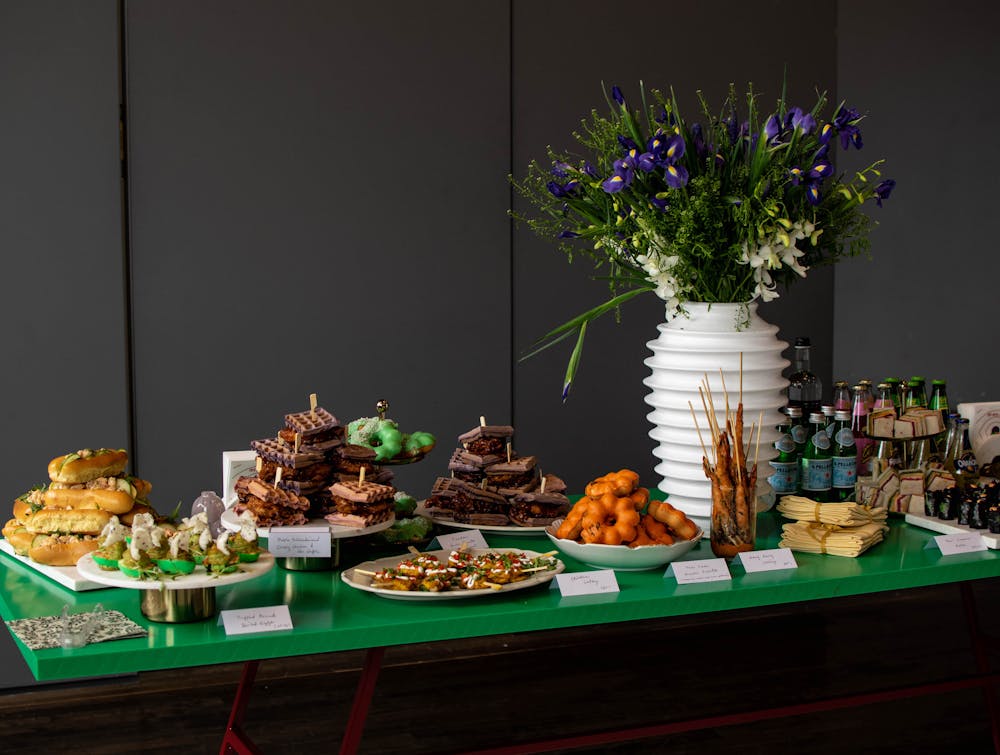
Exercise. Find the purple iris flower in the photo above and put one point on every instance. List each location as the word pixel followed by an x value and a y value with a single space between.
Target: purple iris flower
pixel 772 129
pixel 796 119
pixel 820 170
pixel 821 154
pixel 646 162
pixel 661 117
pixel 812 193
pixel 590 170
pixel 569 235
pixel 627 143
pixel 676 176
pixel 883 190
pixel 797 175
pixel 557 190
pixel 657 143
pixel 660 203
pixel 674 149
pixel 701 149
pixel 826 132
pixel 845 117
pixel 850 135
pixel 616 93
pixel 624 172
pixel 561 170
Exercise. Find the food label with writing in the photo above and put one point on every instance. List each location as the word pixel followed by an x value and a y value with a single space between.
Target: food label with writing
pixel 817 474
pixel 845 471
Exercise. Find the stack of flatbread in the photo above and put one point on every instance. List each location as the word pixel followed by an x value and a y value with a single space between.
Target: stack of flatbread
pixel 840 529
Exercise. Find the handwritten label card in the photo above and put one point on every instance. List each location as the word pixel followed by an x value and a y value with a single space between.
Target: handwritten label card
pixel 250 620
pixel 775 559
pixel 966 542
pixel 702 570
pixel 587 582
pixel 462 540
pixel 299 542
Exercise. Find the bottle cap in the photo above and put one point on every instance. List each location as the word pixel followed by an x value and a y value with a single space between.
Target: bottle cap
pixel 842 414
pixel 914 382
pixel 840 384
pixel 919 378
pixel 892 381
pixel 793 411
pixel 827 409
pixel 818 417
pixel 802 341
pixel 937 382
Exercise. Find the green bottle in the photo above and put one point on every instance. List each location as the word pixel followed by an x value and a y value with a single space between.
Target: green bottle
pixel 918 392
pixel 785 479
pixel 939 401
pixel 816 467
pixel 845 458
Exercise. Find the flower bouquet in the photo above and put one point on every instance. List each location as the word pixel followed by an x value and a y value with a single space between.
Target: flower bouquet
pixel 719 210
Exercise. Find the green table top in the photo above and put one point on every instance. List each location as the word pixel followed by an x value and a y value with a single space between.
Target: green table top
pixel 330 616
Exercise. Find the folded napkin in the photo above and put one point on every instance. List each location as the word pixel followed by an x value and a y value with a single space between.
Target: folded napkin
pixel 813 537
pixel 844 514
pixel 48 631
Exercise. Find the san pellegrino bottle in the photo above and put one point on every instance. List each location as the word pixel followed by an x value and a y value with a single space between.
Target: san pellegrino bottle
pixel 845 458
pixel 828 412
pixel 805 390
pixel 785 480
pixel 817 463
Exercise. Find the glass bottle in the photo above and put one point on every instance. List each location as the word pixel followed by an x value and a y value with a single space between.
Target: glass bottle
pixel 859 427
pixel 828 412
pixel 895 393
pixel 841 395
pixel 961 461
pixel 816 469
pixel 800 430
pixel 905 392
pixel 785 479
pixel 918 392
pixel 883 397
pixel 866 387
pixel 939 401
pixel 845 458
pixel 804 389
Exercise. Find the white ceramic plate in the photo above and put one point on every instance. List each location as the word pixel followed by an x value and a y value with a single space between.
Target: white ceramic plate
pixel 504 529
pixel 621 557
pixel 231 521
pixel 196 579
pixel 363 581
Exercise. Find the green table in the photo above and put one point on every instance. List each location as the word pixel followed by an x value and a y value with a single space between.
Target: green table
pixel 329 616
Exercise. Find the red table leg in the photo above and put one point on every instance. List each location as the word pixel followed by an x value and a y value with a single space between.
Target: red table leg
pixel 362 701
pixel 981 649
pixel 234 739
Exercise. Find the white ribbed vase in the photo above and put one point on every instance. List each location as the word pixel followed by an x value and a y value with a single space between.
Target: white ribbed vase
pixel 689 348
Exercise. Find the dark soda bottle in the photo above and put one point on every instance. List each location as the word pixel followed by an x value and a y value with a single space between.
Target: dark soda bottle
pixel 805 390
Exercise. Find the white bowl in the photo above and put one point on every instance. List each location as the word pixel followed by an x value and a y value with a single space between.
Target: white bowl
pixel 621 557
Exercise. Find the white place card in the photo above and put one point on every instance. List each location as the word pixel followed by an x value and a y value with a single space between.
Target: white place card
pixel 701 570
pixel 775 559
pixel 251 620
pixel 587 582
pixel 308 541
pixel 457 541
pixel 966 542
pixel 236 464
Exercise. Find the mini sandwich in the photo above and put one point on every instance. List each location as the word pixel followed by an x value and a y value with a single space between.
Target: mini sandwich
pixel 304 471
pixel 317 429
pixel 361 504
pixel 538 509
pixel 60 537
pixel 270 506
pixel 517 475
pixel 95 479
pixel 480 505
pixel 487 439
pixel 471 467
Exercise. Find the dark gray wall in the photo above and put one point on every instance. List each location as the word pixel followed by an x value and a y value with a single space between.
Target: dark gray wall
pixel 562 53
pixel 318 197
pixel 927 301
pixel 62 305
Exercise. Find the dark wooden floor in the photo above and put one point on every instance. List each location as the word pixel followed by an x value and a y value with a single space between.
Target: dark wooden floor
pixel 447 697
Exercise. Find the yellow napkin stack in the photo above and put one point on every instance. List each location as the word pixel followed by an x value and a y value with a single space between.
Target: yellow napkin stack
pixel 840 529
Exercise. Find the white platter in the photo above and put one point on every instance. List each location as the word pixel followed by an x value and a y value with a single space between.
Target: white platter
pixel 621 557
pixel 230 520
pixel 363 581
pixel 197 579
pixel 67 576
pixel 498 529
pixel 951 527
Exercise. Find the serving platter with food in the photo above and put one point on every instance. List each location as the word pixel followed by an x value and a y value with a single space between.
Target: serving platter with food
pixel 453 575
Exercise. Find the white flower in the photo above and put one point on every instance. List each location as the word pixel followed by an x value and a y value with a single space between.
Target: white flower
pixel 776 252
